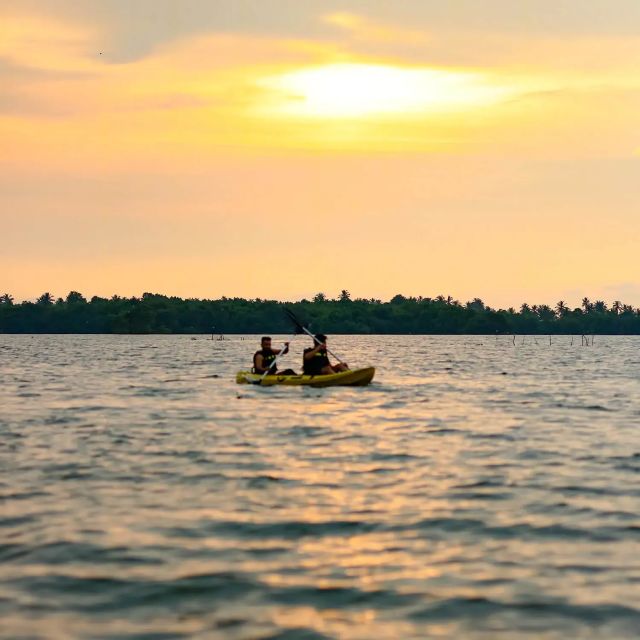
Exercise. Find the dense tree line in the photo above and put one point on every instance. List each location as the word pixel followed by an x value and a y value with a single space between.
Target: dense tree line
pixel 155 313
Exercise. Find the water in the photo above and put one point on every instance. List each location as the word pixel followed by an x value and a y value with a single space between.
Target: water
pixel 476 490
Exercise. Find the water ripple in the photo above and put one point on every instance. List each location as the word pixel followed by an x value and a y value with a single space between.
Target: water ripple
pixel 476 490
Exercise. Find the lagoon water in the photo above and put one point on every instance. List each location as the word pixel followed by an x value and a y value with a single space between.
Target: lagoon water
pixel 478 489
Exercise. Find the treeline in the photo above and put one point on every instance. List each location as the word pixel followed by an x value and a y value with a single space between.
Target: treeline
pixel 155 313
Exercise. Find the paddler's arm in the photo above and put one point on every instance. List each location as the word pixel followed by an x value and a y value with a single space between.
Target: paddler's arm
pixel 282 351
pixel 310 354
pixel 259 364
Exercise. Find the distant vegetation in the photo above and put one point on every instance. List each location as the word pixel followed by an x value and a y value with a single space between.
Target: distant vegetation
pixel 154 313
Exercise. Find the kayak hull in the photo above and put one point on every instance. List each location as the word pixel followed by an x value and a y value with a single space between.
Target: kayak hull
pixel 352 378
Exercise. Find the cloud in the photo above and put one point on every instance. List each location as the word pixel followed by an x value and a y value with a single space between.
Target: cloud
pixel 57 76
pixel 157 148
pixel 204 94
pixel 43 43
pixel 366 30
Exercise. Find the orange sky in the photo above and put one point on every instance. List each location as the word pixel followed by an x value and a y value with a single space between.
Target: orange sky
pixel 198 150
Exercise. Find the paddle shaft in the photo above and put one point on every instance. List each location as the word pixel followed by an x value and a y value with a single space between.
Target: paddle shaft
pixel 300 326
pixel 340 360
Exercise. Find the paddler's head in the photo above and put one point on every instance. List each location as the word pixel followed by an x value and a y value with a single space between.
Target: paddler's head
pixel 321 339
pixel 265 342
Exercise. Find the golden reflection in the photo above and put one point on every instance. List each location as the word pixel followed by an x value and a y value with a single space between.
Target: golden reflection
pixel 371 560
pixel 342 623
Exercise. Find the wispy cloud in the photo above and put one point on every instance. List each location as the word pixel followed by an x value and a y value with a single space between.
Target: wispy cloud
pixel 364 29
pixel 139 149
pixel 37 42
pixel 209 92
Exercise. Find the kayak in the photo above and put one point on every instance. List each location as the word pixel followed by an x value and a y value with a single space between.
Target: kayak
pixel 353 378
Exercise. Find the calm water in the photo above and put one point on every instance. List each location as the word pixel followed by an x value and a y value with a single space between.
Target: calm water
pixel 476 490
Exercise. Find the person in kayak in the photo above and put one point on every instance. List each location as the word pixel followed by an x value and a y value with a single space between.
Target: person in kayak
pixel 264 359
pixel 315 361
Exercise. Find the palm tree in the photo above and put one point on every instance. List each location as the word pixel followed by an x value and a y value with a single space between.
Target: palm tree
pixel 586 305
pixel 476 304
pixel 7 299
pixel 616 307
pixel 545 312
pixel 600 306
pixel 525 308
pixel 561 309
pixel 45 299
pixel 74 296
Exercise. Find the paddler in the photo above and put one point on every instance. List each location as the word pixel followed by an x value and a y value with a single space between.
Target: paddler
pixel 265 359
pixel 315 361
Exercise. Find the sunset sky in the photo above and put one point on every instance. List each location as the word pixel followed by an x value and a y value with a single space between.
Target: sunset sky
pixel 265 148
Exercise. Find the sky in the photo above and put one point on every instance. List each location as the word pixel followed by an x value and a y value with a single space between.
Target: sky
pixel 276 149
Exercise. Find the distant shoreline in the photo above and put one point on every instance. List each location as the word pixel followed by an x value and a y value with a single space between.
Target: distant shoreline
pixel 228 336
pixel 155 314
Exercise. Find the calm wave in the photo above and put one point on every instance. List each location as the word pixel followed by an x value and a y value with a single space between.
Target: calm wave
pixel 478 489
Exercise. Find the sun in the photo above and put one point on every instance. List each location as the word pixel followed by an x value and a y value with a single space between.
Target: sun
pixel 354 90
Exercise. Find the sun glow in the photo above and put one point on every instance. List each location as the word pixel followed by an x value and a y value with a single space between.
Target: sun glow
pixel 355 90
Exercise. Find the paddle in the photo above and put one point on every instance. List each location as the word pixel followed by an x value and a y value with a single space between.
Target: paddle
pixel 300 328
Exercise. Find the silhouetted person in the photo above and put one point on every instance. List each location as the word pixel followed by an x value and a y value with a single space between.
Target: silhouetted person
pixel 265 359
pixel 315 361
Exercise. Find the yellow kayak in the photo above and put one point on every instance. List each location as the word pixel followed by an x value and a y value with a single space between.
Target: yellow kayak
pixel 354 378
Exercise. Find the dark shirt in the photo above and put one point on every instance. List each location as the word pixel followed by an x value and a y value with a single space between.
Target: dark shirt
pixel 313 366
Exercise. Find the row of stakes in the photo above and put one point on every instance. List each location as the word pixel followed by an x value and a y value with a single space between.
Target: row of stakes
pixel 584 340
